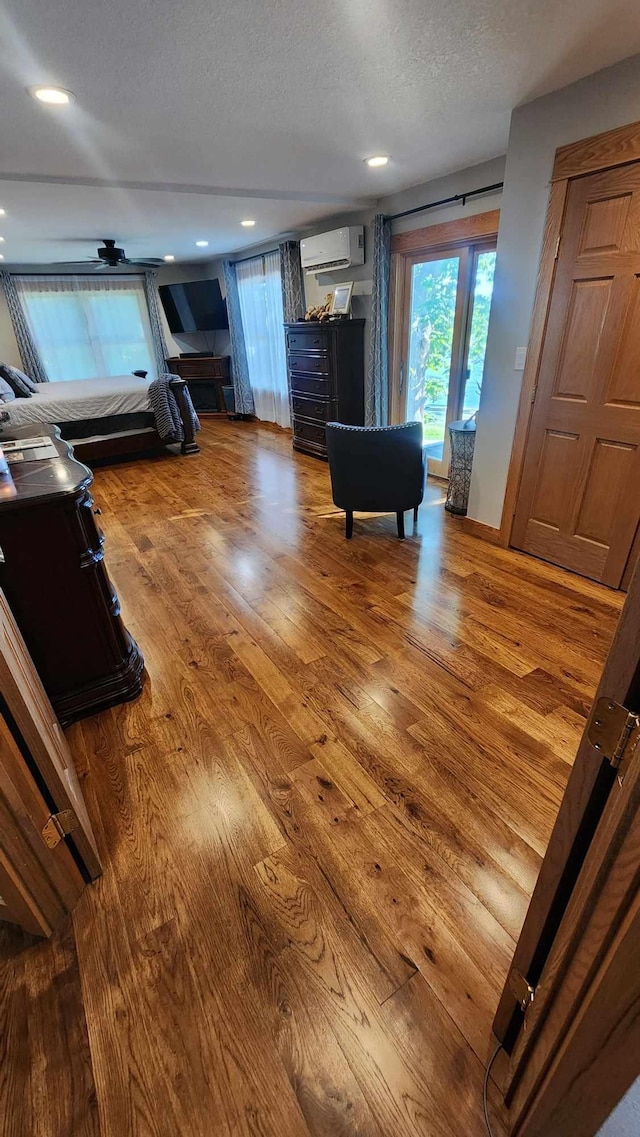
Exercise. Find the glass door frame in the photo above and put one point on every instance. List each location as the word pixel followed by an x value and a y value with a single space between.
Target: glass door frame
pixel 468 237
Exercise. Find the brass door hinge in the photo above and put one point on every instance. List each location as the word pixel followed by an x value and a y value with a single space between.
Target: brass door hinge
pixel 615 733
pixel 57 827
pixel 521 990
pixel 534 393
pixel 555 255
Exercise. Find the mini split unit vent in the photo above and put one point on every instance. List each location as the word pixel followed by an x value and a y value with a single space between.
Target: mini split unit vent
pixel 340 248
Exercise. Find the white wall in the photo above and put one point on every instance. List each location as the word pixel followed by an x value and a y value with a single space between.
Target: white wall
pixel 600 102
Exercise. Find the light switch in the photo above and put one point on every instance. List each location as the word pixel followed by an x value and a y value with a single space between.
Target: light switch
pixel 521 355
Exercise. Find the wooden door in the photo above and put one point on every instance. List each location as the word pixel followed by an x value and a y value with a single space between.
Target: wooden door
pixel 579 499
pixel 27 704
pixel 38 884
pixel 580 1050
pixel 569 875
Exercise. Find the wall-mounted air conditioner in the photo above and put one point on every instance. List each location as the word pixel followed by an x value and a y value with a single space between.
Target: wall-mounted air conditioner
pixel 340 248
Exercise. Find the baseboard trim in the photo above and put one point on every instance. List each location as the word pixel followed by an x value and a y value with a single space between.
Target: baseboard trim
pixel 484 532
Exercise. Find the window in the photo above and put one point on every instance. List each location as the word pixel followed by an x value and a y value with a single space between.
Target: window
pixel 87 328
pixel 260 292
pixel 444 338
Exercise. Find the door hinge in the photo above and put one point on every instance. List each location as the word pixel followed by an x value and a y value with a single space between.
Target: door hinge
pixel 534 393
pixel 57 827
pixel 614 732
pixel 521 989
pixel 555 255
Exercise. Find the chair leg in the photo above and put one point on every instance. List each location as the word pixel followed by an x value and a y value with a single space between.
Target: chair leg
pixel 400 520
pixel 349 525
pixel 415 515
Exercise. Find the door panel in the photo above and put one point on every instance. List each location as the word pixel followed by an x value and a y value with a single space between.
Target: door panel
pixel 34 716
pixel 579 500
pixel 591 783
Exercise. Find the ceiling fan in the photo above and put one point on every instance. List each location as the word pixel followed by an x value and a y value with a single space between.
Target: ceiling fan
pixel 110 256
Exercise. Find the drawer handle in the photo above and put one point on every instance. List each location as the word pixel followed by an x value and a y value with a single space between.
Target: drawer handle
pixel 98 512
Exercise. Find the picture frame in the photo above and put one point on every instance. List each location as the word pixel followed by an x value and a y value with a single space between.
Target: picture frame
pixel 341 300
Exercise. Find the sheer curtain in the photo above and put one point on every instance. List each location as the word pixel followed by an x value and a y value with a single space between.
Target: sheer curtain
pixel 87 327
pixel 260 291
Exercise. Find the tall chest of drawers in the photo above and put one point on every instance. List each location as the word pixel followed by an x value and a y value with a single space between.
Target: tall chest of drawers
pixel 326 379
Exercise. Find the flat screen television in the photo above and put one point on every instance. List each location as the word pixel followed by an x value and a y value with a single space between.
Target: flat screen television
pixel 195 306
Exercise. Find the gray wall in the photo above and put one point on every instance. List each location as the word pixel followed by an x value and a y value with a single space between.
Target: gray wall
pixel 600 102
pixel 474 177
pixel 625 1119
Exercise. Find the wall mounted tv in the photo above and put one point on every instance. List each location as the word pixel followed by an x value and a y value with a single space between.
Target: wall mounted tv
pixel 195 306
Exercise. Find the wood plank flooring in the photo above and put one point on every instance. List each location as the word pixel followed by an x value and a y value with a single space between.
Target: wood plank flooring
pixel 320 824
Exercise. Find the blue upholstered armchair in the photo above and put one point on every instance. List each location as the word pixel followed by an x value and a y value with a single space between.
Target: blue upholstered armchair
pixel 376 469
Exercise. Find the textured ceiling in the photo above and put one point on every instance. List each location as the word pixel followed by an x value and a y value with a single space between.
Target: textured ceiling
pixel 266 97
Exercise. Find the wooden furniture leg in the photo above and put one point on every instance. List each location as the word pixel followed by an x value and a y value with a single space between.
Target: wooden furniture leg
pixel 400 519
pixel 349 525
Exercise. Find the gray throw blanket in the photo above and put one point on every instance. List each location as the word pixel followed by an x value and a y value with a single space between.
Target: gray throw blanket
pixel 166 410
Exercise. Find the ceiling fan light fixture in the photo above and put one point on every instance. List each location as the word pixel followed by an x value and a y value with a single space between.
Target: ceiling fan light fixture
pixel 169 257
pixel 52 96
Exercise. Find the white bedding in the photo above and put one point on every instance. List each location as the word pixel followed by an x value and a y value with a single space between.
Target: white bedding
pixel 81 399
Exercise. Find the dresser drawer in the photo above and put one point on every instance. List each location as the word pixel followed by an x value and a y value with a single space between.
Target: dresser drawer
pixel 310 384
pixel 318 409
pixel 312 340
pixel 309 364
pixel 309 432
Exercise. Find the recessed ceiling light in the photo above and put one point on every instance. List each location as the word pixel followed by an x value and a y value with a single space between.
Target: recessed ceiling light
pixel 377 160
pixel 1 257
pixel 202 244
pixel 169 257
pixel 248 224
pixel 3 212
pixel 53 96
pixel 2 240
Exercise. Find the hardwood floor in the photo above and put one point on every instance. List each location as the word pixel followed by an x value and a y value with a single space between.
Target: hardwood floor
pixel 320 824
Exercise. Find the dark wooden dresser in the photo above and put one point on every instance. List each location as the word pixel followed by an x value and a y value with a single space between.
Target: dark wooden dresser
pixel 205 376
pixel 55 580
pixel 326 379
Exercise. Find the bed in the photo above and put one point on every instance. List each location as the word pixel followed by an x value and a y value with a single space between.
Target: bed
pixel 101 418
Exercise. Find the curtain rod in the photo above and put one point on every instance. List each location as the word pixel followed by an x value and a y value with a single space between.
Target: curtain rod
pixel 255 256
pixel 445 201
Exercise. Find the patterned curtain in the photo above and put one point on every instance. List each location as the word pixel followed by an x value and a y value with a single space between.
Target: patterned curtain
pixel 29 354
pixel 160 349
pixel 239 365
pixel 376 394
pixel 293 302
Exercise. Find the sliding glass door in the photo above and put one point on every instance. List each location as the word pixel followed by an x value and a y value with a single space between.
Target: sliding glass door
pixel 445 318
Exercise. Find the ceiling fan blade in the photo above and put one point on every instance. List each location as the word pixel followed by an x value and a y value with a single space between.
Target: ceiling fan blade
pixel 87 261
pixel 149 262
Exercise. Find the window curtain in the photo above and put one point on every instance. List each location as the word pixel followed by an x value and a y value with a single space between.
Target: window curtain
pixel 376 394
pixel 88 327
pixel 239 366
pixel 293 302
pixel 31 361
pixel 260 292
pixel 160 349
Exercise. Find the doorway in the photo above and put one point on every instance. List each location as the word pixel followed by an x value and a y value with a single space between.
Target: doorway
pixel 443 300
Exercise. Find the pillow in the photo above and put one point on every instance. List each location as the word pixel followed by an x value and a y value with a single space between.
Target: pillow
pixel 7 393
pixel 22 386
